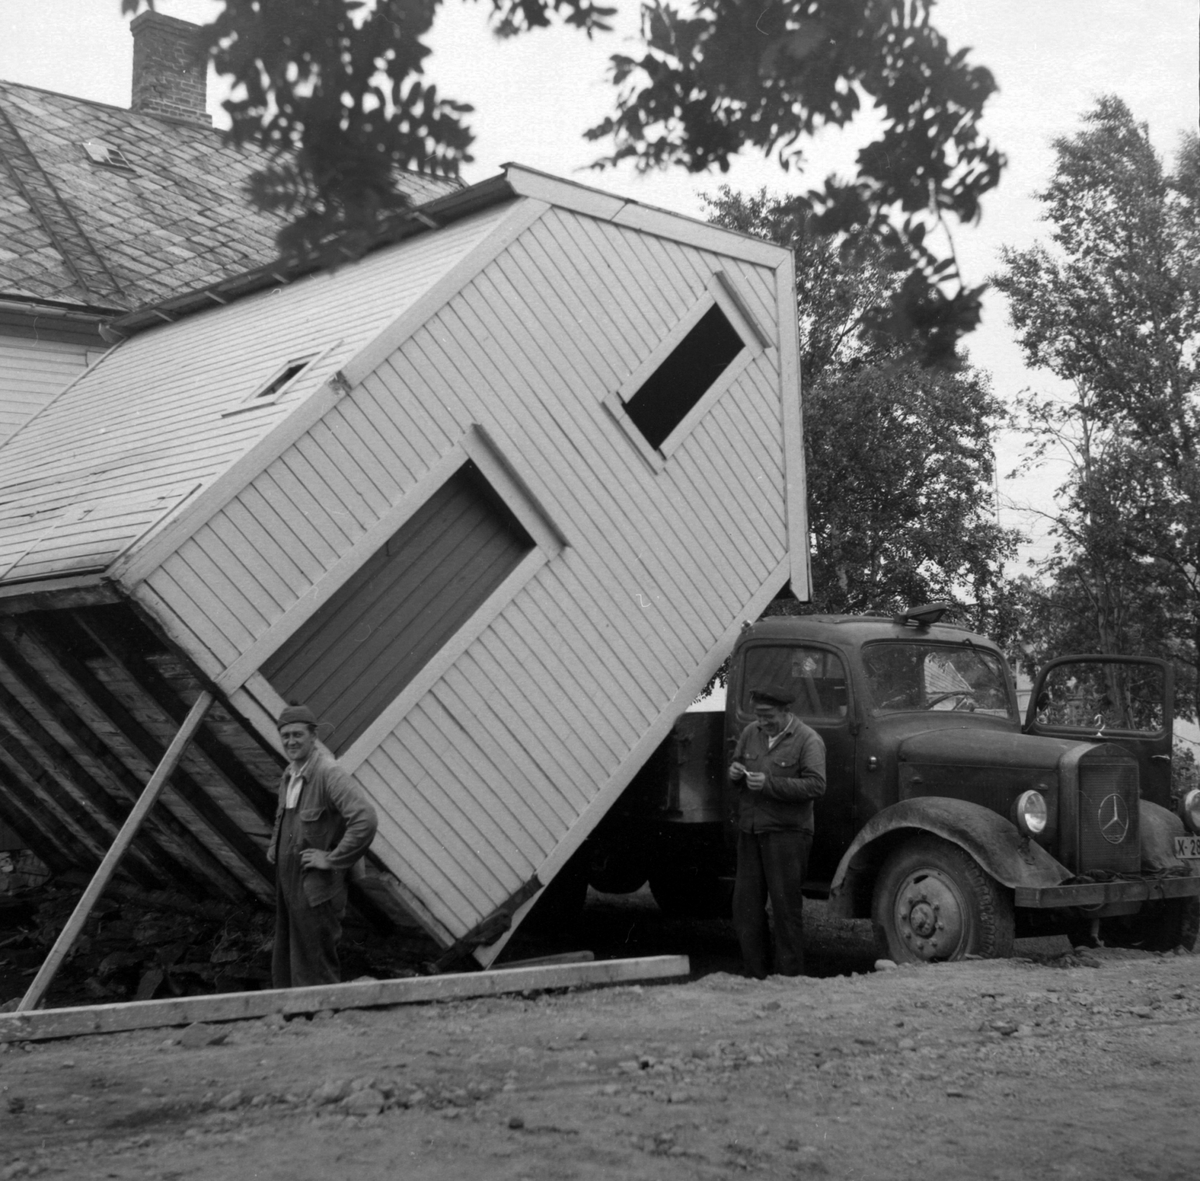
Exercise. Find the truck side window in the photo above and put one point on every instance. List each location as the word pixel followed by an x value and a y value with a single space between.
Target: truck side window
pixel 1103 695
pixel 816 676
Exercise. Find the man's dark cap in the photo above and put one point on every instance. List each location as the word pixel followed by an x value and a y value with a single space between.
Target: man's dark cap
pixel 775 694
pixel 296 713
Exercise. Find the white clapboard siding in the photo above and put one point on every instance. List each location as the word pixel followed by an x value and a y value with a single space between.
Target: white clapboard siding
pixel 148 420
pixel 32 372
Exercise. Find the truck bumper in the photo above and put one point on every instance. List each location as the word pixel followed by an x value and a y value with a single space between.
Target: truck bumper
pixel 1093 894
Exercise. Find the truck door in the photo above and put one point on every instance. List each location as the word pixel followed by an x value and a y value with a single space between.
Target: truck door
pixel 817 677
pixel 1125 699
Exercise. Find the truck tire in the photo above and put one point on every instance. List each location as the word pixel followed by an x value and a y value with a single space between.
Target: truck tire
pixel 932 902
pixel 1158 926
pixel 691 894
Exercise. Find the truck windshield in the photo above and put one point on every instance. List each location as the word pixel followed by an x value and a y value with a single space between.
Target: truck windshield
pixel 908 675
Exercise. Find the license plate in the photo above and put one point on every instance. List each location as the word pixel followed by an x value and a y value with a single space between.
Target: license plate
pixel 1188 848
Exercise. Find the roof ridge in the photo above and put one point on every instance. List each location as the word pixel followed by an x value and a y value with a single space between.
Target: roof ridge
pixel 95 102
pixel 46 203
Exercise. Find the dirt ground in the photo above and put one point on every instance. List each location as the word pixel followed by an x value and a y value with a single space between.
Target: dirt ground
pixel 1060 1065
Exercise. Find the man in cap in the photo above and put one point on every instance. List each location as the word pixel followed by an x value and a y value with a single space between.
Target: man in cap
pixel 323 825
pixel 779 769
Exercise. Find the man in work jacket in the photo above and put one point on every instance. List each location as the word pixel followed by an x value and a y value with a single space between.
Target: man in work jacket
pixel 323 825
pixel 779 769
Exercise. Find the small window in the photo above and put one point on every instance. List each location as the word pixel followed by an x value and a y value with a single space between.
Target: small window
pixel 672 390
pixel 283 378
pixel 690 369
pixel 816 677
pixel 275 386
pixel 107 156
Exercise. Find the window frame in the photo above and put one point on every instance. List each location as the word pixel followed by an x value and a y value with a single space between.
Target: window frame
pixel 744 710
pixel 720 292
pixel 313 363
pixel 475 446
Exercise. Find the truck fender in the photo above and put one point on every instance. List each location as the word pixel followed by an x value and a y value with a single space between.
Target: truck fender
pixel 1157 827
pixel 986 836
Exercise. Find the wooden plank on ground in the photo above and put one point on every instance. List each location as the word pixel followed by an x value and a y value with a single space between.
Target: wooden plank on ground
pixel 41 1024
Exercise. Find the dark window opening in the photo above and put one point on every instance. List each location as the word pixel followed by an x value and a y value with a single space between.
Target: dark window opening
pixel 371 638
pixel 685 376
pixel 290 370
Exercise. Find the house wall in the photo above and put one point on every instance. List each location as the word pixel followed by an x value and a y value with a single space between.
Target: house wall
pixel 484 777
pixel 33 371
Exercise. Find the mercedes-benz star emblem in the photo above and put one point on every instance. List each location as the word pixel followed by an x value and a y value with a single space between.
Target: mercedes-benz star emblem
pixel 1113 818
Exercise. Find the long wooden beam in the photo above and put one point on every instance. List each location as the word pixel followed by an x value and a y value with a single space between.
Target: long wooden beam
pixel 83 821
pixel 151 749
pixel 172 851
pixel 83 908
pixel 22 822
pixel 172 704
pixel 360 994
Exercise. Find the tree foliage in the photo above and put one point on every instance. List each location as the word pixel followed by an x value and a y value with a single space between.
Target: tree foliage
pixel 1111 305
pixel 899 458
pixel 334 90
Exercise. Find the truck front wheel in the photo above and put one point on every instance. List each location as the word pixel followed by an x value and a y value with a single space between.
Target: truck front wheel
pixel 933 902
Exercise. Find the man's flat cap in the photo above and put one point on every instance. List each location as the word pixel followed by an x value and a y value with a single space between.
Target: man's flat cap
pixel 774 694
pixel 296 713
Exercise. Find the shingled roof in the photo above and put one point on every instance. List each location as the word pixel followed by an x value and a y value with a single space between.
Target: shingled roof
pixel 169 213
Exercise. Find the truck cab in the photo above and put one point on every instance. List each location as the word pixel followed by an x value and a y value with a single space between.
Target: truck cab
pixel 949 819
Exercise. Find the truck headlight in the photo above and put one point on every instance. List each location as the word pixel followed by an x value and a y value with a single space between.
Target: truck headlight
pixel 1189 809
pixel 1032 813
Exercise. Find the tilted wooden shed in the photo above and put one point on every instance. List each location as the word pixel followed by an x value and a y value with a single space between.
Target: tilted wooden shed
pixel 494 499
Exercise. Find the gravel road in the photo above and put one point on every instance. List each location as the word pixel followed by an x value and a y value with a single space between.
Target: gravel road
pixel 1049 1065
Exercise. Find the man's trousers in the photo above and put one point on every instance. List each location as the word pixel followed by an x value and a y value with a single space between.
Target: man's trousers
pixel 771 865
pixel 306 937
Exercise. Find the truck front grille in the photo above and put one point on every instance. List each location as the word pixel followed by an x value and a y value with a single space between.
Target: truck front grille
pixel 1108 816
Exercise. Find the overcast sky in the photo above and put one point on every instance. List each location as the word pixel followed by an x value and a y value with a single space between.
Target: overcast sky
pixel 535 95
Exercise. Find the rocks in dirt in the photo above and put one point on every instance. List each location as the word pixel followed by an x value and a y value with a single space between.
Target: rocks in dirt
pixel 198 1035
pixel 232 1100
pixel 366 1101
pixel 884 965
pixel 333 1091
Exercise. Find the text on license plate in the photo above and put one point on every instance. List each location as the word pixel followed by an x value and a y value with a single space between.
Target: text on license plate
pixel 1188 848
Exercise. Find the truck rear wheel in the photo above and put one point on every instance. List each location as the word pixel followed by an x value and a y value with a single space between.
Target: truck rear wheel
pixel 932 902
pixel 690 894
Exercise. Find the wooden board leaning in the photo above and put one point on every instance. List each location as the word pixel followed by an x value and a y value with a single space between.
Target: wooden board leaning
pixel 40 1024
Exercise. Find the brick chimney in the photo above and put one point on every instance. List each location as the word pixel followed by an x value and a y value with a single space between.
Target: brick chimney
pixel 169 78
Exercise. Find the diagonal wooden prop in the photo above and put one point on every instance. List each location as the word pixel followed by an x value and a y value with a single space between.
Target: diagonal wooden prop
pixel 79 916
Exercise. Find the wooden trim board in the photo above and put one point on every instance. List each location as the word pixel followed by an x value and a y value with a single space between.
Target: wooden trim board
pixel 40 1024
pixel 795 476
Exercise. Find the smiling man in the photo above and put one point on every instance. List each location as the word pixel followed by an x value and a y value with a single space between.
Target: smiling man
pixel 323 825
pixel 779 768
